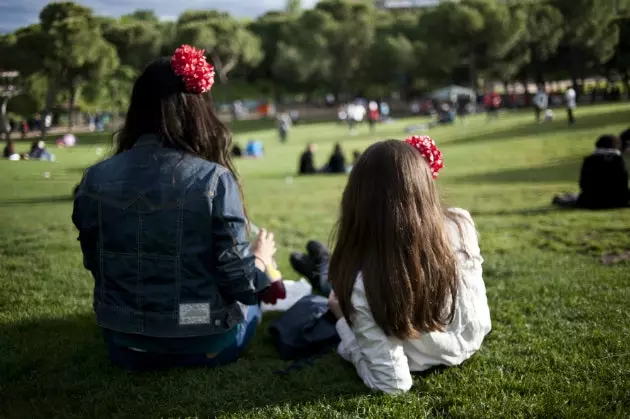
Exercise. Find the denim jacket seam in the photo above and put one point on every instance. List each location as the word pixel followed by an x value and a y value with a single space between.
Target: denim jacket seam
pixel 100 252
pixel 178 259
pixel 214 181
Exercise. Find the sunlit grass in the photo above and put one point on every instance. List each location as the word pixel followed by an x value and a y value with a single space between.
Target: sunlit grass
pixel 561 324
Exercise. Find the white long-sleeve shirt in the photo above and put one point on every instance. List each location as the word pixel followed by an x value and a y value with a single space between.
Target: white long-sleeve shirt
pixel 385 363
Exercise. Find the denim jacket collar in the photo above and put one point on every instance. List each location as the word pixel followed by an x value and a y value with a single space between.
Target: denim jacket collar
pixel 147 140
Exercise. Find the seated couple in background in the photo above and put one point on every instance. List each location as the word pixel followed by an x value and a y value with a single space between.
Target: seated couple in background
pixel 603 179
pixel 253 149
pixel 162 229
pixel 38 152
pixel 336 163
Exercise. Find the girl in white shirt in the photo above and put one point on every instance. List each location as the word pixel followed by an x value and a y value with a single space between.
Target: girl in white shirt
pixel 407 277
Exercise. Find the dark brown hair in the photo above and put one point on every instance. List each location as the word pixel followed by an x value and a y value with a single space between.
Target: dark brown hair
pixel 608 141
pixel 184 121
pixel 392 230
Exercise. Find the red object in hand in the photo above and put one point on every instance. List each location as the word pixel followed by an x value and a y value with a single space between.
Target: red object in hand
pixel 275 292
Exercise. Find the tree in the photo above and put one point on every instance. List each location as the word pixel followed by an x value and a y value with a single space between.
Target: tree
pixel 590 34
pixel 349 39
pixel 303 60
pixel 397 56
pixel 543 36
pixel 273 29
pixel 74 49
pixel 294 7
pixel 620 62
pixel 226 40
pixel 478 33
pixel 112 93
pixel 137 41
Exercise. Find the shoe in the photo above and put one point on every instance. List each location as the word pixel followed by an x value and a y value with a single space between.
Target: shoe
pixel 318 253
pixel 320 256
pixel 303 265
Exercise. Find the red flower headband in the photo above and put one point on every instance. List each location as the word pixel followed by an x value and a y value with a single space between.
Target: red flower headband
pixel 190 63
pixel 427 148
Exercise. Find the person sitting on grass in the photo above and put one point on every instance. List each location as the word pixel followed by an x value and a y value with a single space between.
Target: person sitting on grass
pixel 624 137
pixel 163 231
pixel 337 161
pixel 603 179
pixel 307 160
pixel 9 151
pixel 39 152
pixel 406 273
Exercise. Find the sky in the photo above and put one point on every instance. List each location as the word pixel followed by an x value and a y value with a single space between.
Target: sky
pixel 18 13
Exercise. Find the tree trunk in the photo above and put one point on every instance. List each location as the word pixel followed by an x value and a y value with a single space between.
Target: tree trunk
pixel 50 98
pixel 574 72
pixel 626 77
pixel 4 120
pixel 74 91
pixel 472 73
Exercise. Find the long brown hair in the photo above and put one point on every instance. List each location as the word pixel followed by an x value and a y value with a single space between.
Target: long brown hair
pixel 184 121
pixel 392 230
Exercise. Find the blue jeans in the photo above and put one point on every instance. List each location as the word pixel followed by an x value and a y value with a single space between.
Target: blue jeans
pixel 133 360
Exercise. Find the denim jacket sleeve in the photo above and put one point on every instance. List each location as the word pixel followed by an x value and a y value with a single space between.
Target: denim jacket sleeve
pixel 84 219
pixel 236 274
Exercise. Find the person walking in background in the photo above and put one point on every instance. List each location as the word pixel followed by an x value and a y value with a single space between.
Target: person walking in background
pixel 23 129
pixel 385 111
pixel 541 102
pixel 284 125
pixel 463 108
pixel 163 230
pixel 373 115
pixel 492 103
pixel 407 277
pixel 570 98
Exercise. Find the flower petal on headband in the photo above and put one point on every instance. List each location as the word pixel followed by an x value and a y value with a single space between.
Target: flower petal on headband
pixel 190 63
pixel 427 148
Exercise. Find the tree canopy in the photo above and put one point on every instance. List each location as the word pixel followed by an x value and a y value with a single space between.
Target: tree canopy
pixel 76 59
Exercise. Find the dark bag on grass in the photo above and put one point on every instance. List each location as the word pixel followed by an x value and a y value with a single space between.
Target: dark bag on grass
pixel 306 329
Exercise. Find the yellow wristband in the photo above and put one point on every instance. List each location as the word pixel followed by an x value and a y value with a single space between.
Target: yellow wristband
pixel 273 273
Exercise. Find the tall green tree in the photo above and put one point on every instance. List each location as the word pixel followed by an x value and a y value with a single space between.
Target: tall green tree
pixel 226 40
pixel 293 7
pixel 590 34
pixel 476 33
pixel 137 41
pixel 273 29
pixel 349 39
pixel 303 60
pixel 74 48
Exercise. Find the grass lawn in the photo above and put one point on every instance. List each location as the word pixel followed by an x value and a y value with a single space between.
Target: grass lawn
pixel 560 345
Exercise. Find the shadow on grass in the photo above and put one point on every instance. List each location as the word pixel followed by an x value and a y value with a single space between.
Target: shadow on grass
pixel 586 122
pixel 59 367
pixel 563 171
pixel 40 200
pixel 522 212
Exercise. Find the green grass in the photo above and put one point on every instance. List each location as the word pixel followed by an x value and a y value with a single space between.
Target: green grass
pixel 560 345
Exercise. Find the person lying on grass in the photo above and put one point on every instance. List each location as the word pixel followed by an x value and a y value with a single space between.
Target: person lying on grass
pixel 406 274
pixel 163 229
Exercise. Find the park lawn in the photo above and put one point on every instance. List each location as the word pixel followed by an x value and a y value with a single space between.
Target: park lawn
pixel 560 344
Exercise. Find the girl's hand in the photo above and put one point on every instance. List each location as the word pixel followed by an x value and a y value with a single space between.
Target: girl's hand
pixel 333 305
pixel 264 249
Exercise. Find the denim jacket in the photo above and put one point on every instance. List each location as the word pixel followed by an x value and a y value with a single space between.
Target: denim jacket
pixel 164 235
